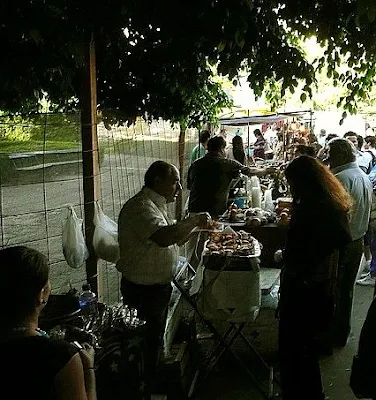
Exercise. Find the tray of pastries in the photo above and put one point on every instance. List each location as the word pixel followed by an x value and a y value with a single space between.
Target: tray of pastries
pixel 237 244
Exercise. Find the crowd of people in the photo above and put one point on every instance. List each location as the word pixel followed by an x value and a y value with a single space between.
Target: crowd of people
pixel 365 158
pixel 328 233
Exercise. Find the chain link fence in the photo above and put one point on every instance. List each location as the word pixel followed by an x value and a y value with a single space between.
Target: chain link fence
pixel 41 174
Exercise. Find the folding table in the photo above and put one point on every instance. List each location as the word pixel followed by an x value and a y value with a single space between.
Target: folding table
pixel 226 290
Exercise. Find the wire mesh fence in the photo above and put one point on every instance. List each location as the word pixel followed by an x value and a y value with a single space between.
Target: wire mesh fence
pixel 41 174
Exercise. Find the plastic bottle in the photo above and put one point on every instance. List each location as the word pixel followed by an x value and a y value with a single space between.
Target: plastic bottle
pixel 88 301
pixel 255 181
pixel 269 205
pixel 256 197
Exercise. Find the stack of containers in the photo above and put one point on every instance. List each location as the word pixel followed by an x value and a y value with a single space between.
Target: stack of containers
pixel 256 193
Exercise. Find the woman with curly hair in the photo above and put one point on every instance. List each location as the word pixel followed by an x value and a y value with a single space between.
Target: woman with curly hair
pixel 318 228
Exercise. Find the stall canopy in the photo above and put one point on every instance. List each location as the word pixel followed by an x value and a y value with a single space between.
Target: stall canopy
pixel 262 119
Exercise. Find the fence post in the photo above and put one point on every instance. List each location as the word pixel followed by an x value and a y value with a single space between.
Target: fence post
pixel 90 163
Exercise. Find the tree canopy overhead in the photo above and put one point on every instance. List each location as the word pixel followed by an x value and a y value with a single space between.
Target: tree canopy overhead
pixel 159 58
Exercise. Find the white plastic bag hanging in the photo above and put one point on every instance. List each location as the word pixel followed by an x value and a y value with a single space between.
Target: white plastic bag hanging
pixel 74 246
pixel 105 238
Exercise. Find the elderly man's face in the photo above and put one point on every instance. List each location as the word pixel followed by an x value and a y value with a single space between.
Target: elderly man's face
pixel 170 186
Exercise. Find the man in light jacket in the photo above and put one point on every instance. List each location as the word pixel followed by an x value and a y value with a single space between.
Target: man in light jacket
pixel 342 161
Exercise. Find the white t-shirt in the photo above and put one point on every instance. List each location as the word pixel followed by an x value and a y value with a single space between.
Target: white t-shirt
pixel 373 151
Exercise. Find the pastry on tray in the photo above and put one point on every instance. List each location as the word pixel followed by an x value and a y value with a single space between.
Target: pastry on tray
pixel 234 244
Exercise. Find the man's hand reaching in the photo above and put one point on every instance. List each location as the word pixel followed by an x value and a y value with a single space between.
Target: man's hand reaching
pixel 203 220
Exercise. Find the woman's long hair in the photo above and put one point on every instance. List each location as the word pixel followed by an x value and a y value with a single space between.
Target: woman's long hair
pixel 238 149
pixel 312 182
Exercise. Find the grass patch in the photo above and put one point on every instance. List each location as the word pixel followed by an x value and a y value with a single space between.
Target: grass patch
pixel 51 127
pixel 8 147
pixel 144 146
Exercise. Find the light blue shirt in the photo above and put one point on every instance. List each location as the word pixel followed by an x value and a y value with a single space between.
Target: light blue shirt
pixel 358 185
pixel 364 160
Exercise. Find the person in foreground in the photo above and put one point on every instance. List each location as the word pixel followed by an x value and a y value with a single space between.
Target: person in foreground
pixel 363 366
pixel 148 241
pixel 318 229
pixel 34 365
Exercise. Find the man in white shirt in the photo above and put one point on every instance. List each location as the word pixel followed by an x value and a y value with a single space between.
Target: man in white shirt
pixel 342 160
pixel 148 241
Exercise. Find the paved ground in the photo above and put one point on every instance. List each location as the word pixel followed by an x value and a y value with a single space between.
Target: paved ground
pixel 231 383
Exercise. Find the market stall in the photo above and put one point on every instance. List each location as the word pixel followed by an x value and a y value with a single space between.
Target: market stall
pixel 284 129
pixel 263 209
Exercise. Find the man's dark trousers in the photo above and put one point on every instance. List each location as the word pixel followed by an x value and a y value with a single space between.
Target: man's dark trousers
pixel 151 302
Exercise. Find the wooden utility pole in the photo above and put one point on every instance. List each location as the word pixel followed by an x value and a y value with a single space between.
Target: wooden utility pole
pixel 90 157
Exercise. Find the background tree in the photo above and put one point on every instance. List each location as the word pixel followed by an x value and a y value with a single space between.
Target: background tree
pixel 347 30
pixel 154 57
